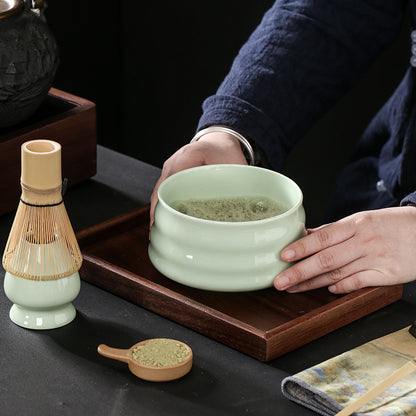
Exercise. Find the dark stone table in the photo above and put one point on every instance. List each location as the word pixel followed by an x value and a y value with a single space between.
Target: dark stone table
pixel 59 372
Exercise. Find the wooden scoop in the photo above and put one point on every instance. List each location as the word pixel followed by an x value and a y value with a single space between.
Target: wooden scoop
pixel 147 372
pixel 371 394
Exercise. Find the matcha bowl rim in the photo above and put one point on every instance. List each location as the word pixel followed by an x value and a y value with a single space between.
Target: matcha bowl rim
pixel 173 177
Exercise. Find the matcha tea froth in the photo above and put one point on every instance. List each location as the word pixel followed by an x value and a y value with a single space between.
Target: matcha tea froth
pixel 239 209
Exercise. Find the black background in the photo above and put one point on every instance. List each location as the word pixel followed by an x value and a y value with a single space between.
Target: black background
pixel 149 65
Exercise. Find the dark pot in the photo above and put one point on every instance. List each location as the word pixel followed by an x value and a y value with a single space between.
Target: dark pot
pixel 28 60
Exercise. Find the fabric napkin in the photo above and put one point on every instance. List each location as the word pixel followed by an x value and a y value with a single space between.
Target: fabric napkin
pixel 330 386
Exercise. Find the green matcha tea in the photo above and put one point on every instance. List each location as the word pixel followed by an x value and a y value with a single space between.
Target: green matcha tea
pixel 238 209
pixel 160 352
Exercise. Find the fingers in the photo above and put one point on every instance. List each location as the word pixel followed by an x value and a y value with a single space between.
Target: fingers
pixel 153 200
pixel 322 268
pixel 372 248
pixel 345 284
pixel 319 239
pixel 177 162
pixel 333 277
pixel 212 148
pixel 325 279
pixel 365 278
pixel 323 250
pixel 166 171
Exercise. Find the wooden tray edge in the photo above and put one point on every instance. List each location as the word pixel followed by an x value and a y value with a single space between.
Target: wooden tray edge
pixel 321 321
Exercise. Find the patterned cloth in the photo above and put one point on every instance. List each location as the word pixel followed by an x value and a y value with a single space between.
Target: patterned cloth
pixel 332 385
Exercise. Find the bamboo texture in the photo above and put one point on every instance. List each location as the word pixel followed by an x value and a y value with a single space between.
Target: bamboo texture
pixel 41 244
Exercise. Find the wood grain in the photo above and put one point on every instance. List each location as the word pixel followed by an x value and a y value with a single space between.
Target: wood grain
pixel 264 324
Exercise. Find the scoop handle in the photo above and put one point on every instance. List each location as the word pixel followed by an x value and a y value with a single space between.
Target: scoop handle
pixel 114 353
pixel 371 394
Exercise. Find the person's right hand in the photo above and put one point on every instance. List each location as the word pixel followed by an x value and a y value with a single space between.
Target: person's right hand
pixel 212 148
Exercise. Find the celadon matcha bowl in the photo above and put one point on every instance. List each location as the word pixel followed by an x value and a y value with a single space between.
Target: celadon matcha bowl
pixel 223 255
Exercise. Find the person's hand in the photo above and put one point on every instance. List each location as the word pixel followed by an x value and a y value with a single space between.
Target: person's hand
pixel 372 248
pixel 212 148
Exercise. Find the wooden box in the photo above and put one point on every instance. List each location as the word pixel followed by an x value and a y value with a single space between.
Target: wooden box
pixel 264 324
pixel 63 117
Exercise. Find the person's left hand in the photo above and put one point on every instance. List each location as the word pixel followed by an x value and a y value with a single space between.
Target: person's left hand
pixel 370 248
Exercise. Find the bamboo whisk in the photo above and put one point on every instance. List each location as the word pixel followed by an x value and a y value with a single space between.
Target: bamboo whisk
pixel 42 243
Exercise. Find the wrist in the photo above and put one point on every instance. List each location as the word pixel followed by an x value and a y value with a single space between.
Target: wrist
pixel 218 138
pixel 222 134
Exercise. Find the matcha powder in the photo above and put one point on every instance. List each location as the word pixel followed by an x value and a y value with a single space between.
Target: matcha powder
pixel 160 352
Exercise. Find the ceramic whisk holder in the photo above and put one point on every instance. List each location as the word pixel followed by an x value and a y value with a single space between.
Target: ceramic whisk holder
pixel 42 257
pixel 43 304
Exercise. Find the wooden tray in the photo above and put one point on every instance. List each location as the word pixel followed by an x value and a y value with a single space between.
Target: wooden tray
pixel 264 324
pixel 66 118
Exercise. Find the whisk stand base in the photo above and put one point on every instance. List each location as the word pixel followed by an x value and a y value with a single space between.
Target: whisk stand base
pixel 33 318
